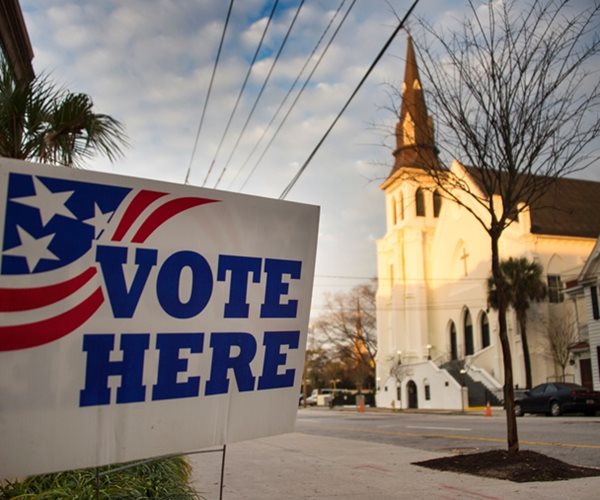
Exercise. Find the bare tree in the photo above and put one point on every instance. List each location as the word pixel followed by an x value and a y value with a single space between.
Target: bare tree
pixel 348 324
pixel 514 97
pixel 562 334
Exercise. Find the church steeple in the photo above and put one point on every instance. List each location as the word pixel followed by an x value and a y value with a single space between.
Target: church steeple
pixel 415 146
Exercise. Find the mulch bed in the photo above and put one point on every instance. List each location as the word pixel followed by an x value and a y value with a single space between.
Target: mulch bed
pixel 524 466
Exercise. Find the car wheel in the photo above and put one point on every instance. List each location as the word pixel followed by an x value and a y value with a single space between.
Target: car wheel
pixel 555 409
pixel 518 410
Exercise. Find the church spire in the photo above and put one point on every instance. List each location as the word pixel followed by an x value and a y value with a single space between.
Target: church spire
pixel 415 146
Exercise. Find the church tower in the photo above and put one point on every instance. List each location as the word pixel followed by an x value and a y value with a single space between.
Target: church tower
pixel 415 146
pixel 412 209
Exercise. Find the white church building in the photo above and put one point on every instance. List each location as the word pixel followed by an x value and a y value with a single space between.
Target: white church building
pixel 438 343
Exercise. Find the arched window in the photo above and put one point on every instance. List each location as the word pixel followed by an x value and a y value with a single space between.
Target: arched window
pixel 485 330
pixel 401 206
pixel 453 343
pixel 437 203
pixel 468 330
pixel 420 202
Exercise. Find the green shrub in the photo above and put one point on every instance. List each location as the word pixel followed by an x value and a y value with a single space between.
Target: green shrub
pixel 162 478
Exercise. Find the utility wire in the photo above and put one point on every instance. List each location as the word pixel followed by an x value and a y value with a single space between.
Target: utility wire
pixel 289 187
pixel 289 92
pixel 212 77
pixel 298 95
pixel 260 93
pixel 243 87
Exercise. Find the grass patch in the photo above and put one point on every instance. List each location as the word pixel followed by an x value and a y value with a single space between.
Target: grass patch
pixel 162 478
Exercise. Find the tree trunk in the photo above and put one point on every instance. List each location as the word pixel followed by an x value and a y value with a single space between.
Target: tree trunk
pixel 522 317
pixel 512 437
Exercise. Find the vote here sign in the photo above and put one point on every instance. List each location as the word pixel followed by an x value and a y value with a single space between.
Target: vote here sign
pixel 141 318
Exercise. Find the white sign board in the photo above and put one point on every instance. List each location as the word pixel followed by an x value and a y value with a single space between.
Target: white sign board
pixel 141 318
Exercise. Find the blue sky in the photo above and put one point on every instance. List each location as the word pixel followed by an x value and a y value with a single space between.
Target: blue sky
pixel 148 63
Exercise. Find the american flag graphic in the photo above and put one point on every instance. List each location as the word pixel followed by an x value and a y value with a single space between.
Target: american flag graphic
pixel 50 226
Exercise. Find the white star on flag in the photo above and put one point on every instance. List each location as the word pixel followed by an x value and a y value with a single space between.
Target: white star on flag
pixel 32 249
pixel 48 203
pixel 99 220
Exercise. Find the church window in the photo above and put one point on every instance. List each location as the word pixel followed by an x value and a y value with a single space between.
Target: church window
pixel 453 343
pixel 427 390
pixel 420 202
pixel 468 330
pixel 555 288
pixel 401 206
pixel 408 130
pixel 485 330
pixel 595 309
pixel 437 203
pixel 394 212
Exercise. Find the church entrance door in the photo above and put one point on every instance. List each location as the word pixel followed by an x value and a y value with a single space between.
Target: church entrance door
pixel 413 401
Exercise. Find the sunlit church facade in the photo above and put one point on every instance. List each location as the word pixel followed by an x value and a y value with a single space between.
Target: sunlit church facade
pixel 438 343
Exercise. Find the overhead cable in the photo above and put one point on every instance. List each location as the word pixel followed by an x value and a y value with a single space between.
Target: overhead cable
pixel 289 92
pixel 298 95
pixel 242 88
pixel 212 77
pixel 260 93
pixel 301 170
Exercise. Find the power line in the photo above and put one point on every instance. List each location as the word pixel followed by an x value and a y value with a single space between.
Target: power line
pixel 288 188
pixel 299 94
pixel 289 92
pixel 242 88
pixel 212 77
pixel 260 93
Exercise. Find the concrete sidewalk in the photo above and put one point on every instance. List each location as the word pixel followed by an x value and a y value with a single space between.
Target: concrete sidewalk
pixel 302 466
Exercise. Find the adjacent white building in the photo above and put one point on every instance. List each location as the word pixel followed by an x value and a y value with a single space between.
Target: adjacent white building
pixel 586 314
pixel 437 337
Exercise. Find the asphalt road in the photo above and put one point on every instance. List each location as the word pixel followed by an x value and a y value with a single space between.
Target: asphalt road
pixel 573 439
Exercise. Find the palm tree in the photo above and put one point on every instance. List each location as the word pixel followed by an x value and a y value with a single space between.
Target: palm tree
pixel 523 284
pixel 41 122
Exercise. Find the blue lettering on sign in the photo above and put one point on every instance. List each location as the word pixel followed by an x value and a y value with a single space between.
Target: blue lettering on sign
pixel 223 361
pixel 111 259
pixel 274 358
pixel 167 284
pixel 124 300
pixel 230 351
pixel 230 354
pixel 99 368
pixel 170 364
pixel 275 269
pixel 239 267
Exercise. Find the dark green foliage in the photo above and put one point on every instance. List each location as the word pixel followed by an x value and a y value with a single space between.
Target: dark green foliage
pixel 162 478
pixel 523 284
pixel 42 122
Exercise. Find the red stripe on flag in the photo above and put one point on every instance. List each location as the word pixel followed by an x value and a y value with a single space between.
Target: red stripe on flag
pixel 164 213
pixel 23 299
pixel 48 330
pixel 135 208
